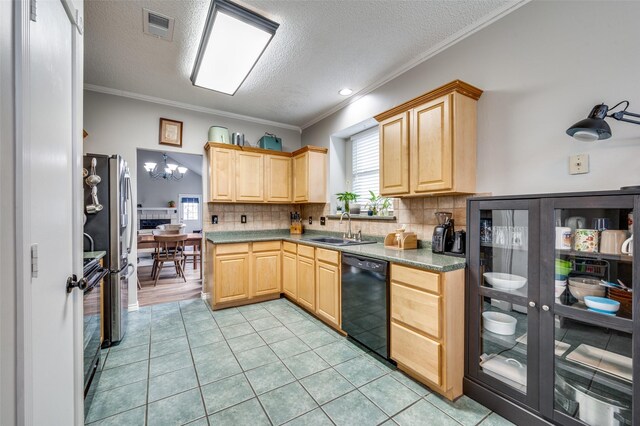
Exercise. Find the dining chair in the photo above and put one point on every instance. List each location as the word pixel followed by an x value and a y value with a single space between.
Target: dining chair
pixel 194 254
pixel 169 248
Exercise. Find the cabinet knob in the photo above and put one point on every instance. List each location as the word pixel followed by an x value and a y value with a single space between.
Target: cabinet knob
pixel 532 304
pixel 545 307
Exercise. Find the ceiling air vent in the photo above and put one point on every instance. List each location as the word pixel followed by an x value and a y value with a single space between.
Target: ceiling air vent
pixel 157 25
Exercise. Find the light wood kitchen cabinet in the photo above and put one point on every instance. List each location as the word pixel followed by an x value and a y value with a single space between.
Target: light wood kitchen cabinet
pixel 327 283
pixel 290 274
pixel 441 143
pixel 306 280
pixel 427 326
pixel 394 155
pixel 278 178
pixel 222 177
pixel 249 179
pixel 231 273
pixel 266 268
pixel 310 175
pixel 253 175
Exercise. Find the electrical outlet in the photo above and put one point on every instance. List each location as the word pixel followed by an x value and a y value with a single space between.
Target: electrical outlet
pixel 243 218
pixel 214 219
pixel 579 164
pixel 322 220
pixel 310 220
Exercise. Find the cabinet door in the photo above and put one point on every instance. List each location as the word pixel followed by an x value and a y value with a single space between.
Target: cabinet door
pixel 432 146
pixel 278 178
pixel 394 155
pixel 249 176
pixel 301 178
pixel 504 305
pixel 328 292
pixel 267 273
pixel 221 174
pixel 306 283
pixel 289 275
pixel 231 277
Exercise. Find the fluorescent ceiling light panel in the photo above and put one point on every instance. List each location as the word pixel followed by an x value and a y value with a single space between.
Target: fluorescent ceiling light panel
pixel 232 42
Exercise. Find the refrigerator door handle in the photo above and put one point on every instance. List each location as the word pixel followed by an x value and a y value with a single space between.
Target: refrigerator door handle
pixel 130 199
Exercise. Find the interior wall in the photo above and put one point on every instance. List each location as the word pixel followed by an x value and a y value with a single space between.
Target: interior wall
pixel 158 192
pixel 542 68
pixel 120 125
pixel 7 221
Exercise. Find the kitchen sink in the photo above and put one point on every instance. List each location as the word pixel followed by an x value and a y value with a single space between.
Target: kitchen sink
pixel 338 241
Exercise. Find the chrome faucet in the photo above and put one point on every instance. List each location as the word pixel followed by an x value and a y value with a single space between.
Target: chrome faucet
pixel 348 235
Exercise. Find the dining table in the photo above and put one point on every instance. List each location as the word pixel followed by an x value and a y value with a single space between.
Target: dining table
pixel 146 241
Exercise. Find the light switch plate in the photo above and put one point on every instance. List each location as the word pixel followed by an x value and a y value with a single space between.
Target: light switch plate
pixel 243 218
pixel 579 164
pixel 310 220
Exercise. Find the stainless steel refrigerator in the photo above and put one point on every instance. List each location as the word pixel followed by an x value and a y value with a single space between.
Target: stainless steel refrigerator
pixel 111 229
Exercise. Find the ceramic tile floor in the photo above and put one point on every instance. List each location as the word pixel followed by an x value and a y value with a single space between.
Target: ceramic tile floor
pixel 268 363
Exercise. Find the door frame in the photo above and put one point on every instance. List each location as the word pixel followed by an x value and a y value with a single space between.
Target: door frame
pixel 22 208
pixel 200 197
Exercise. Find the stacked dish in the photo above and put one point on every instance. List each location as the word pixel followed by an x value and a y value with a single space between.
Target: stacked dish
pixel 625 298
pixel 602 305
pixel 502 281
pixel 581 287
pixel 563 267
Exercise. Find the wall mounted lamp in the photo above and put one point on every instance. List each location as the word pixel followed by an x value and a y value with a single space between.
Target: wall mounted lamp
pixel 233 40
pixel 595 128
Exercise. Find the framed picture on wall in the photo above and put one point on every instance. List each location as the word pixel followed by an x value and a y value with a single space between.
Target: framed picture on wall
pixel 170 132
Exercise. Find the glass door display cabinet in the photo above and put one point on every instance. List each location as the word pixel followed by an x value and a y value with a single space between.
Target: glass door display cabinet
pixel 551 308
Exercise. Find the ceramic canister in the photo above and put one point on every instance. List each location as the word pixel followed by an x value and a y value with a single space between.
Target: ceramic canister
pixel 611 241
pixel 586 240
pixel 563 238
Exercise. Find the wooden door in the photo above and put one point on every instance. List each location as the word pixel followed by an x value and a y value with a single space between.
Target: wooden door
pixel 267 273
pixel 231 277
pixel 249 176
pixel 278 178
pixel 289 275
pixel 394 155
pixel 301 178
pixel 432 146
pixel 221 174
pixel 328 292
pixel 306 283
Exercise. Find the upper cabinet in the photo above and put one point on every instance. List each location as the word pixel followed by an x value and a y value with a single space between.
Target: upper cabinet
pixel 253 175
pixel 428 144
pixel 310 175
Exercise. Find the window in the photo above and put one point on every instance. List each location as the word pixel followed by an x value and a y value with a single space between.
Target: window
pixel 190 208
pixel 365 167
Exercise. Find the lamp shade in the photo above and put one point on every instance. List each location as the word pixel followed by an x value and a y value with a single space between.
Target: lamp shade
pixel 593 127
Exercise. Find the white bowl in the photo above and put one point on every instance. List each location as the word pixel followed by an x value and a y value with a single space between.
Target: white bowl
pixel 502 281
pixel 172 227
pixel 602 303
pixel 560 289
pixel 499 323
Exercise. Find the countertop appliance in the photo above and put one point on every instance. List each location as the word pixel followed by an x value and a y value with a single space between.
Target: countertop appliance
pixel 365 302
pixel 219 134
pixel 442 240
pixel 112 231
pixel 93 273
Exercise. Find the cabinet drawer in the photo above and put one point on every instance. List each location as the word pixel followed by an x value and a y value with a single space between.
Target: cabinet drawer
pixel 266 246
pixel 329 256
pixel 232 248
pixel 418 309
pixel 425 280
pixel 305 251
pixel 290 247
pixel 417 352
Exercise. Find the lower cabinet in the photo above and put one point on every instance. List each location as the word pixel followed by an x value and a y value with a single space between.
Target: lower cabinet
pixel 266 268
pixel 231 273
pixel 427 326
pixel 290 271
pixel 306 282
pixel 328 286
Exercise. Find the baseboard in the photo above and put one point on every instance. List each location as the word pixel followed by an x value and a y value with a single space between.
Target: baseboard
pixel 205 296
pixel 134 307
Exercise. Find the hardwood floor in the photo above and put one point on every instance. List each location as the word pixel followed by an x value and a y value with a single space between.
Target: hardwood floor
pixel 170 287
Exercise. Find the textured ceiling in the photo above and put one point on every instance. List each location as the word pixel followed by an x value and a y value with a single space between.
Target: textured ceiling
pixel 320 47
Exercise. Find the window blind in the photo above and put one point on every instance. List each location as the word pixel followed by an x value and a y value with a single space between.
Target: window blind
pixel 365 164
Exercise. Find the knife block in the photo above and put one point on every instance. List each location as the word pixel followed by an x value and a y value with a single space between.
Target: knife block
pixel 296 228
pixel 408 241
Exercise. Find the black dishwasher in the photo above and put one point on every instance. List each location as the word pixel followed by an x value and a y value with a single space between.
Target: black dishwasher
pixel 365 302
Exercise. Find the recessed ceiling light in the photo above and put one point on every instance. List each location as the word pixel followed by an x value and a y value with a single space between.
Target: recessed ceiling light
pixel 346 91
pixel 234 38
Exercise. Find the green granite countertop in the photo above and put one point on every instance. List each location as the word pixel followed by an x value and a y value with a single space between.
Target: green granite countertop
pixel 94 254
pixel 420 258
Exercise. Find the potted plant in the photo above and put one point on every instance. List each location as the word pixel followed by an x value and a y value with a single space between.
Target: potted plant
pixel 346 197
pixel 172 203
pixel 374 200
pixel 384 207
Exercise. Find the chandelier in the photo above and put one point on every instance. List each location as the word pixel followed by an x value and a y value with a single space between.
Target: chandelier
pixel 170 172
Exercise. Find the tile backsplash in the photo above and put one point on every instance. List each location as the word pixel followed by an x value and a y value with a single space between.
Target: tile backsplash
pixel 417 213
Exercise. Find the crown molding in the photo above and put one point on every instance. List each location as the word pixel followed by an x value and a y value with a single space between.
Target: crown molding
pixel 445 44
pixel 190 107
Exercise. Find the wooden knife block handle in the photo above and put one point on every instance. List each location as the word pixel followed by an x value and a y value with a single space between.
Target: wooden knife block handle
pixel 296 228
